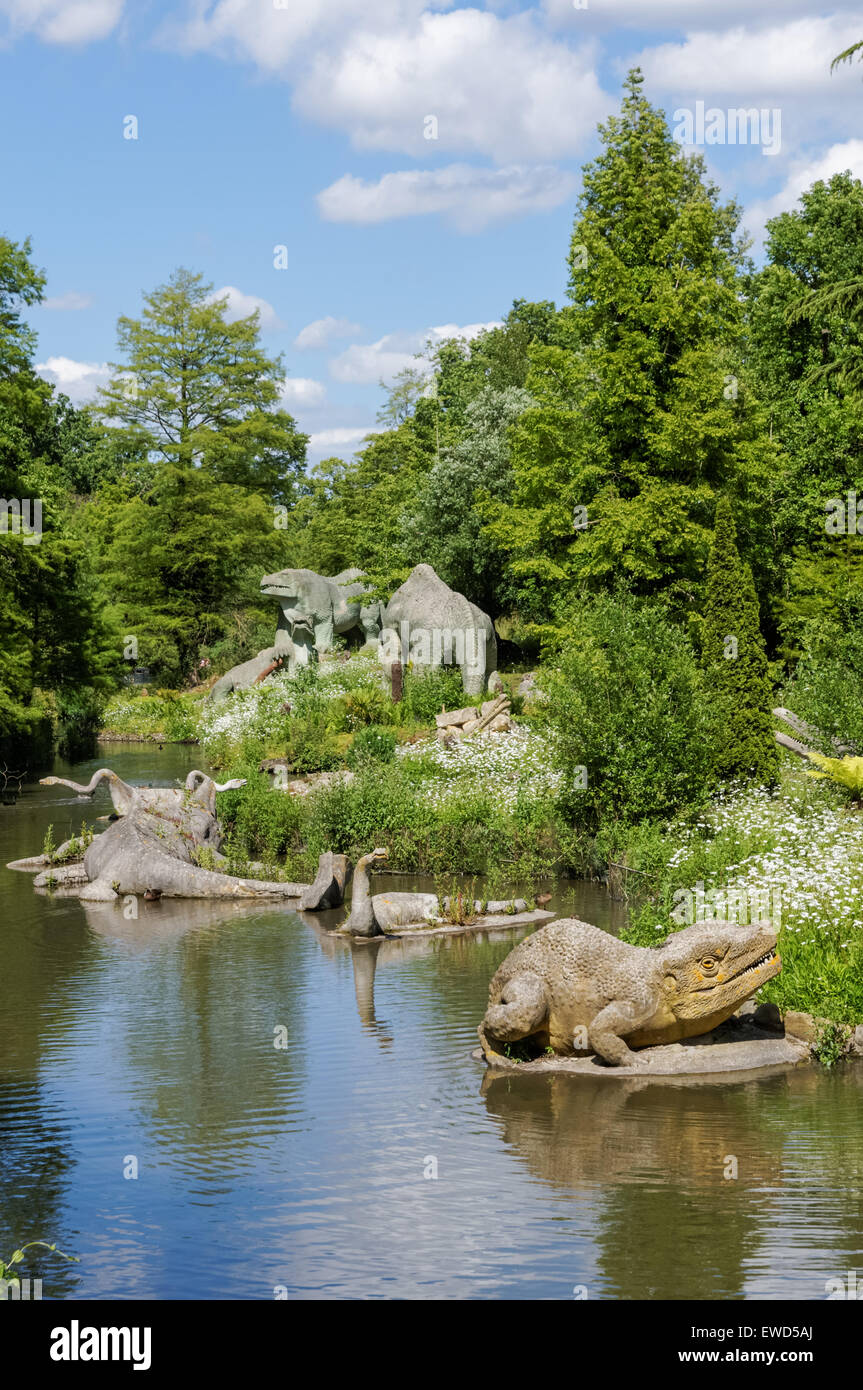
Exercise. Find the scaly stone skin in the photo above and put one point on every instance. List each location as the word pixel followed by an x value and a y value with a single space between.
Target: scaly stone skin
pixel 571 982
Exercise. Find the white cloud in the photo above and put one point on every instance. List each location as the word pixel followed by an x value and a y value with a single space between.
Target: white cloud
pixel 367 363
pixel 302 391
pixel 77 380
pixel 274 36
pixel 321 332
pixel 240 306
pixel 785 60
pixel 62 21
pixel 684 14
pixel 499 87
pixel 340 442
pixel 469 198
pixel 70 301
pixel 836 160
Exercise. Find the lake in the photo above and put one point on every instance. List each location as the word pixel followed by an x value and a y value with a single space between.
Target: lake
pixel 306 1117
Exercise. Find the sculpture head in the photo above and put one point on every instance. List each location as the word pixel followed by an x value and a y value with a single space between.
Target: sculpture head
pixel 711 967
pixel 295 590
pixel 375 856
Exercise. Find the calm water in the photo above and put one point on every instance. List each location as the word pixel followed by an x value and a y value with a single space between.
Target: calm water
pixel 304 1166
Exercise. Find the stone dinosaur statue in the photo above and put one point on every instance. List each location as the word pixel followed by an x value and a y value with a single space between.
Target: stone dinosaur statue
pixel 257 668
pixel 429 624
pixel 375 915
pixel 312 611
pixel 325 608
pixel 153 845
pixel 571 982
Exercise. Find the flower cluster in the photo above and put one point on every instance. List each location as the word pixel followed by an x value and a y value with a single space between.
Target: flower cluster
pixel 513 766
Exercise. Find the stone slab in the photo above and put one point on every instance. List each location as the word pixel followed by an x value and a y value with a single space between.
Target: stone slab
pixel 737 1048
pixel 490 920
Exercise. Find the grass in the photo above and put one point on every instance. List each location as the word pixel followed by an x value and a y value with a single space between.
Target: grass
pixel 167 715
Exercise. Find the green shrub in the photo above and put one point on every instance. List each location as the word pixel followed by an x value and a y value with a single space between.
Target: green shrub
pixel 425 694
pixel 827 686
pixel 311 745
pixel 366 706
pixel 738 687
pixel 625 705
pixel 372 745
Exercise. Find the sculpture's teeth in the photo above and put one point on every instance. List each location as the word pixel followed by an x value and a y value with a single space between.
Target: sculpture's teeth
pixel 762 960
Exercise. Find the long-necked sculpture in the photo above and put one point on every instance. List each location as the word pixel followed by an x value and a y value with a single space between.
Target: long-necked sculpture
pixel 166 841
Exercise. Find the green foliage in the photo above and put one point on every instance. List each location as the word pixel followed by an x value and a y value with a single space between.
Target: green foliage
pixel 426 694
pixel 735 663
pixel 831 1043
pixel 634 419
pixel 364 706
pixel 846 772
pixel 8 1272
pixel 167 715
pixel 625 706
pixel 372 745
pixel 446 528
pixel 203 392
pixel 826 689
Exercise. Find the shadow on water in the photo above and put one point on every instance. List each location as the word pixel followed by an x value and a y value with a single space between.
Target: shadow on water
pixel 306 1112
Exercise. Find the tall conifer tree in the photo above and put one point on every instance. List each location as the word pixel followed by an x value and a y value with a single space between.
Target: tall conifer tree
pixel 736 662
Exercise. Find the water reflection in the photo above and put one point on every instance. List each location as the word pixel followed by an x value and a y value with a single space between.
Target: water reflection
pixel 282 1089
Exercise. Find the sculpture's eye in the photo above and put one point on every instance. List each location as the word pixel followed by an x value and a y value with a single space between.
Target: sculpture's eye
pixel 708 963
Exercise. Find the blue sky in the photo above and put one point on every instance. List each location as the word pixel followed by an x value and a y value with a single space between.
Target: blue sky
pixel 306 124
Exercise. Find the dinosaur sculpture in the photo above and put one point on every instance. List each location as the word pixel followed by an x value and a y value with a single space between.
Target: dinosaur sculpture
pixel 375 915
pixel 257 668
pixel 152 846
pixel 325 608
pixel 429 624
pixel 571 987
pixel 313 610
pixel 378 914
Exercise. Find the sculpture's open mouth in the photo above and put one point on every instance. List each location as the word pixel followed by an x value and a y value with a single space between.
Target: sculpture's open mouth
pixel 745 980
pixel 769 955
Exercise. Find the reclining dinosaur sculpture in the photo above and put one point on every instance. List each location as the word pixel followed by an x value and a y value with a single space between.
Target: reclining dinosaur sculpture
pixel 152 846
pixel 572 987
pixel 379 913
pixel 374 915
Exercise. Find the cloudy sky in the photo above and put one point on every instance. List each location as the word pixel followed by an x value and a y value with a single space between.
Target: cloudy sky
pixel 419 160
